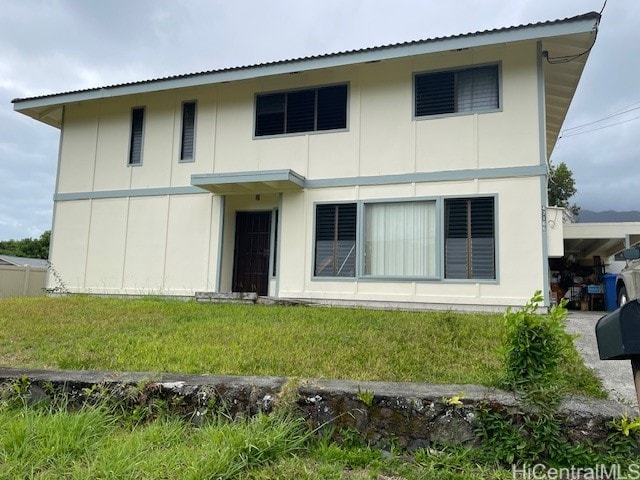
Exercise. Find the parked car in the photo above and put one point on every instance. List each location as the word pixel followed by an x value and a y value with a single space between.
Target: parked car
pixel 628 285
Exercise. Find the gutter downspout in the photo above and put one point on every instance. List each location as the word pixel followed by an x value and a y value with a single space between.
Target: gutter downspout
pixel 546 285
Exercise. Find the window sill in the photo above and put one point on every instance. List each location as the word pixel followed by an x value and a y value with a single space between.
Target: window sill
pixel 456 114
pixel 333 279
pixel 467 281
pixel 390 278
pixel 300 134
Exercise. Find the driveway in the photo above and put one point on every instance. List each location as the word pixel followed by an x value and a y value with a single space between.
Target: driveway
pixel 615 375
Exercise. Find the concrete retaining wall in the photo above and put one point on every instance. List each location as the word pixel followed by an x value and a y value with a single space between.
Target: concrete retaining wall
pixel 412 415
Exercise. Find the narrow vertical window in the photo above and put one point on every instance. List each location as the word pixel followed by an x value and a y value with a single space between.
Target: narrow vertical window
pixel 188 131
pixel 470 238
pixel 336 240
pixel 137 127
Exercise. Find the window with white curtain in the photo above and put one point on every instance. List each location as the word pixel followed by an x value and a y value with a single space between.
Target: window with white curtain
pixel 457 91
pixel 400 239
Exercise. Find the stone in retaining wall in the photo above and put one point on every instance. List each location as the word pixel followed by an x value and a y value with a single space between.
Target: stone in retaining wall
pixel 413 415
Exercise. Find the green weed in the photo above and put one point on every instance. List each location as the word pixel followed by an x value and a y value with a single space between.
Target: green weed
pixel 365 396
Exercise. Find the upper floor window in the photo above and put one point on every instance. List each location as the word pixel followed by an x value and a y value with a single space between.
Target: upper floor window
pixel 457 91
pixel 299 111
pixel 188 131
pixel 135 142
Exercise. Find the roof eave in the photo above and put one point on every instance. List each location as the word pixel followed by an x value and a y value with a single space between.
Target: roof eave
pixel 582 24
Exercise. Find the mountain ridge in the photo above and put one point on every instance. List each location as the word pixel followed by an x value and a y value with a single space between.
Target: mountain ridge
pixel 590 216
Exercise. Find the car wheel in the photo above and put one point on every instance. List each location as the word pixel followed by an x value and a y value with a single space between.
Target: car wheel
pixel 622 296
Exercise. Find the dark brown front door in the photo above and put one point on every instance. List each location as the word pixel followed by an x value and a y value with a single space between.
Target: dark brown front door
pixel 251 254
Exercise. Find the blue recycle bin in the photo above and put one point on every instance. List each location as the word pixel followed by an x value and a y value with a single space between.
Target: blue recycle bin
pixel 610 294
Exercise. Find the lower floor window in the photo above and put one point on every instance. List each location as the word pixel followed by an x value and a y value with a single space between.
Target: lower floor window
pixel 470 238
pixel 400 239
pixel 451 238
pixel 335 248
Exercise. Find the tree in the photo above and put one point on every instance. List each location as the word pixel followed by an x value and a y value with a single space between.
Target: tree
pixel 561 188
pixel 27 247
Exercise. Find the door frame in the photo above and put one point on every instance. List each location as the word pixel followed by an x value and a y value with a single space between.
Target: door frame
pixel 266 276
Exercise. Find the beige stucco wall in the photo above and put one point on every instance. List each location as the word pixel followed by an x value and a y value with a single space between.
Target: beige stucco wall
pixel 518 246
pixel 555 231
pixel 382 136
pixel 161 244
pixel 170 243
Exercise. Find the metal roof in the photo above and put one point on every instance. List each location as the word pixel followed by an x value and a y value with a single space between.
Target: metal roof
pixel 396 50
pixel 23 262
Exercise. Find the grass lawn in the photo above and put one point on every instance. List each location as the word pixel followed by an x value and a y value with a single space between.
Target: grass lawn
pixel 48 441
pixel 82 332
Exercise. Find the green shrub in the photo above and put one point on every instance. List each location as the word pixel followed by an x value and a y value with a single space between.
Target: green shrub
pixel 535 346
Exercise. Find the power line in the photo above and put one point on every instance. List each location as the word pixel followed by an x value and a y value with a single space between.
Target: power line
pixel 571 58
pixel 604 5
pixel 599 128
pixel 601 119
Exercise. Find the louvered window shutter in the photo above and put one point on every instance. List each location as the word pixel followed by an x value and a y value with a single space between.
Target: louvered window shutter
pixel 188 130
pixel 137 128
pixel 332 108
pixel 435 94
pixel 470 238
pixel 335 240
pixel 301 111
pixel 270 114
pixel 482 238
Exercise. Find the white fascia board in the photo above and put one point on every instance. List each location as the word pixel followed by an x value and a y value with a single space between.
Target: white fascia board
pixel 376 54
pixel 249 177
pixel 574 231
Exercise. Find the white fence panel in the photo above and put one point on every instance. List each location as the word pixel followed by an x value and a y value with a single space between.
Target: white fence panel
pixel 21 281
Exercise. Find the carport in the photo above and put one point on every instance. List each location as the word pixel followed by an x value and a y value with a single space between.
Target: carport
pixel 589 261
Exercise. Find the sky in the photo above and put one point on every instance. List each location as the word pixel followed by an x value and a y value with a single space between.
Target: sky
pixel 53 46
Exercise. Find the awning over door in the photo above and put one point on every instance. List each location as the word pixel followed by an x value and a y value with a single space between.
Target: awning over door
pixel 233 183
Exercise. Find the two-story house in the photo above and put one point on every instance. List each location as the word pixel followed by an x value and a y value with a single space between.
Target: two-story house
pixel 409 173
